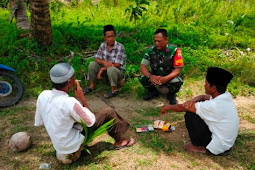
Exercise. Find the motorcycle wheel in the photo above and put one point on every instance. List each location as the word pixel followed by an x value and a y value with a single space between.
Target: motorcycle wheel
pixel 11 89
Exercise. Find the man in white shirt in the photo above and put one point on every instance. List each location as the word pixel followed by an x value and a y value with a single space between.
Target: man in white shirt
pixel 60 113
pixel 211 119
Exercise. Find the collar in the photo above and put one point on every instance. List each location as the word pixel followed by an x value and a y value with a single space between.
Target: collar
pixel 114 46
pixel 59 91
pixel 166 50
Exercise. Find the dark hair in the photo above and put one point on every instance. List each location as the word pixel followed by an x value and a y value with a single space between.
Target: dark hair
pixel 59 85
pixel 219 88
pixel 109 28
pixel 162 31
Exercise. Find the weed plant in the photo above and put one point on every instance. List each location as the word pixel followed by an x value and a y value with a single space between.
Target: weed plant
pixel 210 33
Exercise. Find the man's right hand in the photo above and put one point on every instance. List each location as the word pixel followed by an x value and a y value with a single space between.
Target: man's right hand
pixel 78 92
pixel 99 75
pixel 155 80
pixel 164 109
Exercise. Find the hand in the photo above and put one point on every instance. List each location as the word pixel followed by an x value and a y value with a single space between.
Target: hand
pixel 99 75
pixel 107 64
pixel 188 104
pixel 163 109
pixel 155 79
pixel 78 92
pixel 162 80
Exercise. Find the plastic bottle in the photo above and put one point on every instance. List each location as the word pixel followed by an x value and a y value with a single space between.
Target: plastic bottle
pixel 45 166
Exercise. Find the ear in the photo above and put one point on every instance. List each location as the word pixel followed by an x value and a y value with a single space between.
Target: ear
pixel 214 88
pixel 69 82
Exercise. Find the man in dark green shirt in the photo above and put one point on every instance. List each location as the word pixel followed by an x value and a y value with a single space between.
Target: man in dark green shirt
pixel 165 62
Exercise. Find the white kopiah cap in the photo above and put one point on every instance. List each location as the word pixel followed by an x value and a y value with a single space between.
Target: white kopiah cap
pixel 61 72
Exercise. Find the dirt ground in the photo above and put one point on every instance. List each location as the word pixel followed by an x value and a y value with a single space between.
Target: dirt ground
pixel 140 156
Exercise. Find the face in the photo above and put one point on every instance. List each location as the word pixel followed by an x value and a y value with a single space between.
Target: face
pixel 160 41
pixel 109 37
pixel 208 88
pixel 71 82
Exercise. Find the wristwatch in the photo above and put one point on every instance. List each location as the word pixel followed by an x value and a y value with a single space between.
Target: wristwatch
pixel 149 76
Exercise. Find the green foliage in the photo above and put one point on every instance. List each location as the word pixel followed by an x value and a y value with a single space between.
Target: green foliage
pixel 137 9
pixel 78 27
pixel 4 3
pixel 90 135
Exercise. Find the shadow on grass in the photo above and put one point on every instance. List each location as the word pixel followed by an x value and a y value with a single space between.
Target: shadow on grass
pixel 241 156
pixel 158 140
pixel 100 152
pixel 243 152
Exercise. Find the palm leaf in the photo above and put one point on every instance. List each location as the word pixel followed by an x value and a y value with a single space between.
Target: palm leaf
pixel 90 136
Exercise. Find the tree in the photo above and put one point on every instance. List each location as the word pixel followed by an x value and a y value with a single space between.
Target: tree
pixel 40 28
pixel 137 9
pixel 20 13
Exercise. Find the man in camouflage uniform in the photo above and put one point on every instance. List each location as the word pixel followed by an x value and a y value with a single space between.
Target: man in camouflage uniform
pixel 166 64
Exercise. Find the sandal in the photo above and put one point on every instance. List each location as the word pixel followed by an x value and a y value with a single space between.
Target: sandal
pixel 87 90
pixel 131 142
pixel 110 94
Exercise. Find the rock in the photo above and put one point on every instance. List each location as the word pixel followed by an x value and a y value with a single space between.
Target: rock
pixel 20 141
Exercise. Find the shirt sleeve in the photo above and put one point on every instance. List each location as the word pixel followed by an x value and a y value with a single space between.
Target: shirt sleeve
pixel 121 55
pixel 178 59
pixel 145 62
pixel 38 117
pixel 206 110
pixel 147 54
pixel 82 113
pixel 100 52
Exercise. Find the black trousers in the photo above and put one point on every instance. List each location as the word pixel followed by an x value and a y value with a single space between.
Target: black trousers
pixel 199 132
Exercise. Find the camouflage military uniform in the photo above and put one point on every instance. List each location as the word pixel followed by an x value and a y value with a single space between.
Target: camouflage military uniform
pixel 162 63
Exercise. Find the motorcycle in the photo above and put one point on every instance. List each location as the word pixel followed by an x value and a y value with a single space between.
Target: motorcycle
pixel 11 88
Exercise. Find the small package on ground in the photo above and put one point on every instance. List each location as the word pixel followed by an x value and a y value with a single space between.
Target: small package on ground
pixel 163 125
pixel 144 128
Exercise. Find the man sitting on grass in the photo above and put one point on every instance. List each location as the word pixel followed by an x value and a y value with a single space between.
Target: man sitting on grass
pixel 59 113
pixel 111 56
pixel 211 119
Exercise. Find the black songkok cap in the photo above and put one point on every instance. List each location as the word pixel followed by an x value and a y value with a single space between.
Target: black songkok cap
pixel 109 28
pixel 218 76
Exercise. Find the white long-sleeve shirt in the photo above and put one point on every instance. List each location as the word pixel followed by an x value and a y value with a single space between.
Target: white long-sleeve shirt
pixel 221 117
pixel 59 112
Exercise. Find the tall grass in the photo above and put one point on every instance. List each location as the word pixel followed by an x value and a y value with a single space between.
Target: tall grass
pixel 209 32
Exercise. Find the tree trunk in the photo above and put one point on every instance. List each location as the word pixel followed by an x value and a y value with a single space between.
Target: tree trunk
pixel 40 22
pixel 115 3
pixel 20 13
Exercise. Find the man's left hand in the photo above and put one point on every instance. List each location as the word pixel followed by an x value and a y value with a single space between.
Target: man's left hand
pixel 108 64
pixel 162 80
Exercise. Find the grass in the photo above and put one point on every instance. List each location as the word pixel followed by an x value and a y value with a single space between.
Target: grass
pixel 151 148
pixel 209 33
pixel 78 27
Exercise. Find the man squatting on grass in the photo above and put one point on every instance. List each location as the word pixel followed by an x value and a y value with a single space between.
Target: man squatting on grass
pixel 111 56
pixel 60 114
pixel 165 62
pixel 211 119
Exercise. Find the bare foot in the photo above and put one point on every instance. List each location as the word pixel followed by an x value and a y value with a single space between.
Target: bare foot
pixel 192 148
pixel 126 142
